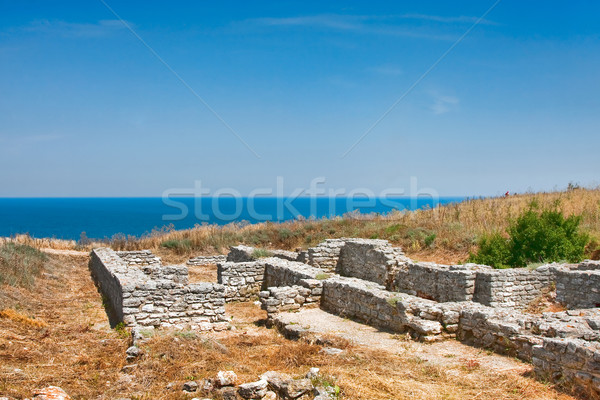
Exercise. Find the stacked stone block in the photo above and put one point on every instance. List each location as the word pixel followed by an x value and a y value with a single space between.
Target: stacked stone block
pixel 242 281
pixel 206 260
pixel 513 288
pixel 325 255
pixel 369 259
pixel 153 295
pixel 289 298
pixel 569 360
pixel 139 257
pixel 437 282
pixel 578 288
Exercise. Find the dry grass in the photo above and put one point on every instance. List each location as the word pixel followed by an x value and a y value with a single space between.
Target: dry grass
pixel 20 318
pixel 202 273
pixel 20 264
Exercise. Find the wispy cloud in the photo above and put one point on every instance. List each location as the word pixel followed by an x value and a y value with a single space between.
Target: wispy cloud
pixel 393 25
pixel 335 21
pixel 75 29
pixel 463 19
pixel 443 104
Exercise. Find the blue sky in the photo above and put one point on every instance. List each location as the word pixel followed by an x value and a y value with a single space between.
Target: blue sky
pixel 86 109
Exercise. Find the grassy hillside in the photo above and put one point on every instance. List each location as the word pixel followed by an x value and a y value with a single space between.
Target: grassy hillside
pixel 445 234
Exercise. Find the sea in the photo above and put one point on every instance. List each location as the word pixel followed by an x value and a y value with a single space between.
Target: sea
pixel 103 218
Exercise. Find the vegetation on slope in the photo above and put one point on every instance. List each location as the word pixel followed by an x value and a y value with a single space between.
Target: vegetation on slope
pixel 20 264
pixel 536 236
pixel 446 234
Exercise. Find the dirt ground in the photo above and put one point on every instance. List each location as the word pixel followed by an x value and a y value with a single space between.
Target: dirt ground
pixel 57 333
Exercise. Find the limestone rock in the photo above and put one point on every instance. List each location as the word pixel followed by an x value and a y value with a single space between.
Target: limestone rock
pixel 51 393
pixel 331 351
pixel 226 378
pixel 227 393
pixel 190 386
pixel 253 390
pixel 296 388
pixel 275 379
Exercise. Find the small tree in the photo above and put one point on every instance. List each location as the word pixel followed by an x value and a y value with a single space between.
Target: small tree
pixel 535 236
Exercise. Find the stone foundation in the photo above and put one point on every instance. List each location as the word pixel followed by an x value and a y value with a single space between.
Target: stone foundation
pixel 141 294
pixel 578 288
pixel 242 280
pixel 206 260
pixel 375 283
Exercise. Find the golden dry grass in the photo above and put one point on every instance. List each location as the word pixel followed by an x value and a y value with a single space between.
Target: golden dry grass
pixel 18 317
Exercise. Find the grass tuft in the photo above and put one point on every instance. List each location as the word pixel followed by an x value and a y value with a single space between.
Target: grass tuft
pixel 20 264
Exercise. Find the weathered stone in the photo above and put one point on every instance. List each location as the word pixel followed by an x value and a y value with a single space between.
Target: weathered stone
pixel 226 378
pixel 51 393
pixel 190 386
pixel 253 390
pixel 296 388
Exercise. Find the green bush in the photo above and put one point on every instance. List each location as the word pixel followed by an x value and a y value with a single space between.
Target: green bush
pixel 494 250
pixel 20 264
pixel 535 237
pixel 179 246
pixel 261 253
pixel 285 234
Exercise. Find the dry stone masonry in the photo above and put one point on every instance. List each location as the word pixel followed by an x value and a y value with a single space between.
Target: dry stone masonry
pixel 372 282
pixel 206 260
pixel 154 295
pixel 375 283
pixel 242 280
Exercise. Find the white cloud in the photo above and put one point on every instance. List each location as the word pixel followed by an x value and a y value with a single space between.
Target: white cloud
pixel 443 104
pixel 364 24
pixel 448 20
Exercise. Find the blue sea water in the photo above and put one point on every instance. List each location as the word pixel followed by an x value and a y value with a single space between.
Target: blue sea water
pixel 100 218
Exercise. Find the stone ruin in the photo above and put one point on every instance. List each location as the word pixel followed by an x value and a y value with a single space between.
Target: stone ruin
pixel 373 282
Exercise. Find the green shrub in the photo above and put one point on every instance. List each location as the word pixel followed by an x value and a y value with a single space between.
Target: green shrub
pixel 395 228
pixel 285 233
pixel 20 264
pixel 261 253
pixel 535 237
pixel 494 250
pixel 430 239
pixel 179 246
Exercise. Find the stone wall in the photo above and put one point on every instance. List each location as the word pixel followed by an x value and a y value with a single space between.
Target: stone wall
pixel 280 272
pixel 514 288
pixel 372 304
pixel 554 342
pixel 242 280
pixel 109 271
pixel 437 282
pixel 578 288
pixel 325 255
pixel 289 298
pixel 139 257
pixel 569 360
pixel 153 295
pixel 369 259
pixel 241 253
pixel 207 260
